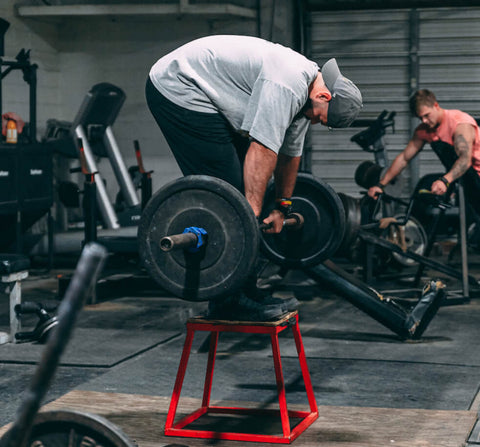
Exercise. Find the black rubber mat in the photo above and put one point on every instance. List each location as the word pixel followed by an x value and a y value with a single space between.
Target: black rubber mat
pixel 91 347
pixel 345 382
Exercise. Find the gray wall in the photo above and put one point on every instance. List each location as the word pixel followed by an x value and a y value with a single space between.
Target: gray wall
pixel 74 53
pixel 41 40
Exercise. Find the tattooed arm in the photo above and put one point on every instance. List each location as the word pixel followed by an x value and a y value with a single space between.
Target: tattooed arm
pixel 463 140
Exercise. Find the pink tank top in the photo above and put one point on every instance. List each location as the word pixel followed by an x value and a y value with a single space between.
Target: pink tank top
pixel 444 132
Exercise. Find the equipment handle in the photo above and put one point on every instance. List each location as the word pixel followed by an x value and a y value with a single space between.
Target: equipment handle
pixel 86 272
pixel 138 156
pixel 31 307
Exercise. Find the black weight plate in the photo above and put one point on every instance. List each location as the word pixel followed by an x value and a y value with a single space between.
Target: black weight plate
pixel 323 229
pixel 74 428
pixel 353 221
pixel 223 264
pixel 367 174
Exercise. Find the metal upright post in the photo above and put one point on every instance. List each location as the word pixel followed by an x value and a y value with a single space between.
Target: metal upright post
pixel 108 213
pixel 120 170
pixel 463 239
pixel 146 185
pixel 33 102
pixel 1 77
pixel 89 207
pixel 414 80
pixel 430 241
pixel 51 239
pixel 4 25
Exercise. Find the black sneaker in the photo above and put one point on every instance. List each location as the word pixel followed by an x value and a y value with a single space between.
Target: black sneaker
pixel 241 308
pixel 269 282
pixel 264 297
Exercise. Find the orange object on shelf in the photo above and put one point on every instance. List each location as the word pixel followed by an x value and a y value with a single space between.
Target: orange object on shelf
pixel 11 131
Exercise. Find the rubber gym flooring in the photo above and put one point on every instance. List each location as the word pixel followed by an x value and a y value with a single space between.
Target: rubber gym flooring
pixel 372 388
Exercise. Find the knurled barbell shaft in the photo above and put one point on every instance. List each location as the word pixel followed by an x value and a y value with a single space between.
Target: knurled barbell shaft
pixel 188 240
pixel 293 222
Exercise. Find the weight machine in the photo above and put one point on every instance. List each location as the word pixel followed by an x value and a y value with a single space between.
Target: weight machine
pixel 368 174
pixel 92 131
pixel 367 234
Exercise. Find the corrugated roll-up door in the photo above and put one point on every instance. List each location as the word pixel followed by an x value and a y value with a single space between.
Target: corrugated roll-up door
pixel 373 48
pixel 449 59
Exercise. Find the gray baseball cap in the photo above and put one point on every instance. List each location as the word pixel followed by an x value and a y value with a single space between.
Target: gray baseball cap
pixel 346 100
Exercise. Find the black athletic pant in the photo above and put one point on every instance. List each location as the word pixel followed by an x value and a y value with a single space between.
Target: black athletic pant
pixel 471 179
pixel 202 143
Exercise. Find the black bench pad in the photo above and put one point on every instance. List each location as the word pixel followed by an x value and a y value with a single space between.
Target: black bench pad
pixel 13 263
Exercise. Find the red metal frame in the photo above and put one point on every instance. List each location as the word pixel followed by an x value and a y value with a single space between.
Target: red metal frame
pixel 289 434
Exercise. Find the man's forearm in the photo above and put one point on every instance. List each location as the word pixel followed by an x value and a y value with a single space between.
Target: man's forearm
pixel 397 166
pixel 463 162
pixel 286 175
pixel 401 161
pixel 257 170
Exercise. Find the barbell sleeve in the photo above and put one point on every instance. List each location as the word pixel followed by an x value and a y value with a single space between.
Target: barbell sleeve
pixel 176 241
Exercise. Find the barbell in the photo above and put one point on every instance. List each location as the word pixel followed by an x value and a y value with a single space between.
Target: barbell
pixel 193 238
pixel 199 239
pixel 64 427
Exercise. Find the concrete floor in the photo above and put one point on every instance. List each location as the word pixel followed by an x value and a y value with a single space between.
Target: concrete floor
pixel 130 342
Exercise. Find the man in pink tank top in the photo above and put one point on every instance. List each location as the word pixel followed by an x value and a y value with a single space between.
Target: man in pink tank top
pixel 454 128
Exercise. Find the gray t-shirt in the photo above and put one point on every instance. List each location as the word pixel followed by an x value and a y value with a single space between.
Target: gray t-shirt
pixel 260 87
